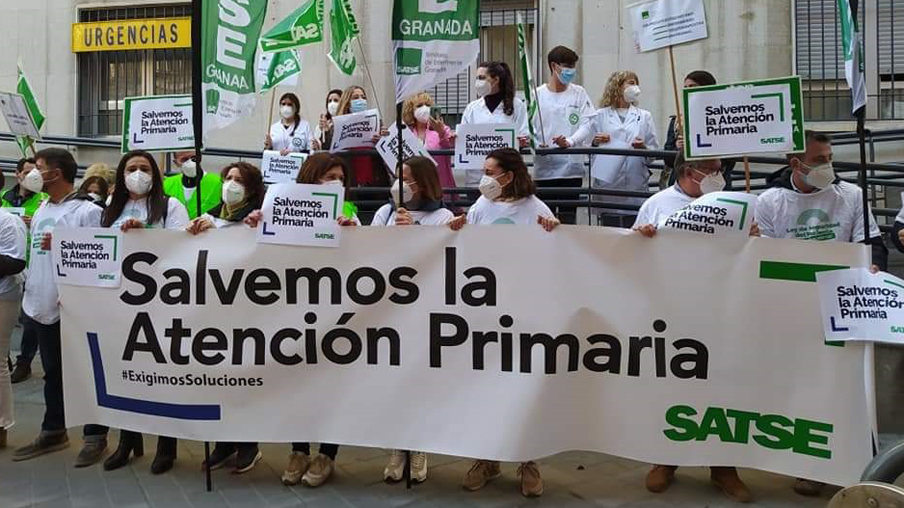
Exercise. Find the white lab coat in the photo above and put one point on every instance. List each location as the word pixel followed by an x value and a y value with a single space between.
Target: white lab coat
pixel 615 171
pixel 477 112
pixel 284 138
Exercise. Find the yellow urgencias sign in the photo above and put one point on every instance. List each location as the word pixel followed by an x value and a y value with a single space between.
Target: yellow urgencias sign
pixel 164 33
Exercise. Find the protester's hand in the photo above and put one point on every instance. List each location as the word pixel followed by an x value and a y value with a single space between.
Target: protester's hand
pixel 403 218
pixel 375 139
pixel 315 143
pixel 47 241
pixel 638 144
pixel 874 269
pixel 268 142
pixel 324 122
pixel 523 141
pixel 131 224
pixel 383 131
pixel 458 222
pixel 600 138
pixel 548 223
pixel 199 225
pixel 345 221
pixel 284 152
pixel 755 229
pixel 254 218
pixel 437 125
pixel 679 143
pixel 647 230
pixel 27 220
pixel 561 142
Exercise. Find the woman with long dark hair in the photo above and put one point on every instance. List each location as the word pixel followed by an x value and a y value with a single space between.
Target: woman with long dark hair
pixel 290 133
pixel 323 132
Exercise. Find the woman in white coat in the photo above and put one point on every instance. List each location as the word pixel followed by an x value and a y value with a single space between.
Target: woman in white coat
pixel 496 103
pixel 620 124
pixel 291 133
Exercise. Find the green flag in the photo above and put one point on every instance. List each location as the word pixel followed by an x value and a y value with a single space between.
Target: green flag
pixel 529 90
pixel 276 69
pixel 304 26
pixel 23 88
pixel 343 30
pixel 230 32
pixel 853 53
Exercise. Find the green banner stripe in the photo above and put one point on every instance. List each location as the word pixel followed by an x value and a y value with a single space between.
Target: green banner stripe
pixel 798 272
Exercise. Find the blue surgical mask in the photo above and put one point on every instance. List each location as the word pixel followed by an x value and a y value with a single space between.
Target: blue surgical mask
pixel 358 105
pixel 567 74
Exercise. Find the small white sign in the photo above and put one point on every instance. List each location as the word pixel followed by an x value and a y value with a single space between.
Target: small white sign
pixel 277 168
pixel 858 305
pixel 388 147
pixel 475 141
pixel 715 214
pixel 87 256
pixel 355 130
pixel 663 23
pixel 160 123
pixel 301 214
pixel 16 113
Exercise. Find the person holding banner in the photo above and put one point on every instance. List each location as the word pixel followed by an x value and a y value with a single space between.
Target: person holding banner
pixel 12 263
pixel 183 186
pixel 422 198
pixel 496 103
pixel 620 124
pixel 243 192
pixel 419 115
pixel 138 202
pixel 291 133
pixel 323 132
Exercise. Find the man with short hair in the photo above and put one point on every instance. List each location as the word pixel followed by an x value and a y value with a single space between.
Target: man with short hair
pixel 808 201
pixel 64 207
pixel 562 105
pixel 183 186
pixel 694 179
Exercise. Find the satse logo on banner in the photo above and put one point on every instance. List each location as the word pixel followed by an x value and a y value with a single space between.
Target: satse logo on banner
pixel 87 256
pixel 863 306
pixel 355 130
pixel 474 142
pixel 301 214
pixel 159 123
pixel 716 213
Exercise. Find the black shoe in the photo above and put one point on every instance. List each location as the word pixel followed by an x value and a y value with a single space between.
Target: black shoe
pixel 218 457
pixel 247 456
pixel 20 373
pixel 130 443
pixel 166 455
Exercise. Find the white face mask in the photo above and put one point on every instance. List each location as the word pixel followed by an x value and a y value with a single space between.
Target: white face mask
pixel 332 107
pixel 407 193
pixel 337 183
pixel 286 112
pixel 490 187
pixel 422 114
pixel 233 193
pixel 713 182
pixel 820 176
pixel 33 181
pixel 632 94
pixel 139 182
pixel 190 168
pixel 482 87
pixel 95 196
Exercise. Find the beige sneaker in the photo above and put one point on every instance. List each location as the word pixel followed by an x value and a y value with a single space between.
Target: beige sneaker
pixel 418 467
pixel 298 465
pixel 480 473
pixel 531 483
pixel 808 488
pixel 727 479
pixel 395 469
pixel 660 478
pixel 320 471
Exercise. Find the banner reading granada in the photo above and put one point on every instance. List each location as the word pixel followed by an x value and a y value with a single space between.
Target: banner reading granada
pixel 587 339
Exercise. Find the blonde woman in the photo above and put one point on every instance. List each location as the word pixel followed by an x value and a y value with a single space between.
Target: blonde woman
pixel 366 170
pixel 421 117
pixel 620 123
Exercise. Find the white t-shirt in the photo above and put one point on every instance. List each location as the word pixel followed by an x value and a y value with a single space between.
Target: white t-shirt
pixel 176 214
pixel 477 112
pixel 283 138
pixel 12 244
pixel 523 211
pixel 834 213
pixel 41 300
pixel 561 113
pixel 386 216
pixel 661 205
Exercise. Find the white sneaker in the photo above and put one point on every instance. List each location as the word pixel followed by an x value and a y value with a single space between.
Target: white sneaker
pixel 395 469
pixel 320 471
pixel 418 467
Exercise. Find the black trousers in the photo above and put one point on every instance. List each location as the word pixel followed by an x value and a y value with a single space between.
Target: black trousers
pixel 330 450
pixel 565 214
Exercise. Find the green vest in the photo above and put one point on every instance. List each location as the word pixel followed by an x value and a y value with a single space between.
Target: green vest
pixel 211 193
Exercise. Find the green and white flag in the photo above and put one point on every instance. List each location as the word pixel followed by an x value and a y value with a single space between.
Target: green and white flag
pixel 432 40
pixel 343 31
pixel 530 95
pixel 278 69
pixel 853 53
pixel 230 32
pixel 304 26
pixel 23 88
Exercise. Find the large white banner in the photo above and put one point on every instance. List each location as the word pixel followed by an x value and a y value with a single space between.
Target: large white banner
pixel 672 350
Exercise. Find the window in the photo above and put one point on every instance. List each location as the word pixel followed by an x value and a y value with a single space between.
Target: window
pixel 106 78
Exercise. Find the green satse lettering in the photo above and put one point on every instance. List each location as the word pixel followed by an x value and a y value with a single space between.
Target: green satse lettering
pixel 742 424
pixel 714 423
pixel 804 436
pixel 774 426
pixel 676 416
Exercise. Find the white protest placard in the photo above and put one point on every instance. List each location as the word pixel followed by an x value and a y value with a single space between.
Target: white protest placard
pixel 858 305
pixel 277 168
pixel 16 113
pixel 761 116
pixel 662 23
pixel 355 130
pixel 474 142
pixel 388 147
pixel 87 256
pixel 301 214
pixel 159 123
pixel 715 214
